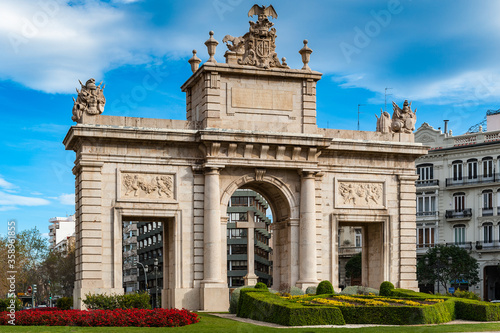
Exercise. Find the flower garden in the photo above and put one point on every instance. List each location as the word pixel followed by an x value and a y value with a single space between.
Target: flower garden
pixel 99 318
pixel 394 307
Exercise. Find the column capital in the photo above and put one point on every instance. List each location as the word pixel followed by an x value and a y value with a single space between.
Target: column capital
pixel 212 169
pixel 308 173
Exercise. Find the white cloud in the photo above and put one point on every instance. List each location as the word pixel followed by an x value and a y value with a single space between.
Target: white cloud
pixel 6 185
pixel 67 199
pixel 12 200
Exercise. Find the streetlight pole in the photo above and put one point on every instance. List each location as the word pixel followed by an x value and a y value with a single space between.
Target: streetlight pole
pixel 156 281
pixel 145 268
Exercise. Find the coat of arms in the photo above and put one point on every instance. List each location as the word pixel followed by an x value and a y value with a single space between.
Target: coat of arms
pixel 90 100
pixel 257 47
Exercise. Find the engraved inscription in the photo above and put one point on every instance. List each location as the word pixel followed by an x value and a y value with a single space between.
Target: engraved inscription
pixel 361 194
pixel 151 186
pixel 262 99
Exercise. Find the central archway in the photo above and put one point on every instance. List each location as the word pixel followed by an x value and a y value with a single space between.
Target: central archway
pixel 285 211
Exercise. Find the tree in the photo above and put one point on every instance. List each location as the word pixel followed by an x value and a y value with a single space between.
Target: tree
pixel 447 264
pixel 353 266
pixel 58 269
pixel 31 249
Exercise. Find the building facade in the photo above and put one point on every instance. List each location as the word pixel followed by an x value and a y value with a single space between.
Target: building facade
pixel 246 213
pixel 250 123
pixel 458 197
pixel 150 250
pixel 130 282
pixel 60 228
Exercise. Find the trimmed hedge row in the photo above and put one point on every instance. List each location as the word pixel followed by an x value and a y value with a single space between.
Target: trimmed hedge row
pixel 264 306
pixel 399 315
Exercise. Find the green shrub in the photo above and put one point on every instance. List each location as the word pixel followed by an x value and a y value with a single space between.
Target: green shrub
pixel 386 288
pixel 296 291
pixel 311 290
pixel 359 290
pixel 324 287
pixel 5 303
pixel 64 303
pixel 479 311
pixel 113 301
pixel 263 306
pixel 261 285
pixel 466 294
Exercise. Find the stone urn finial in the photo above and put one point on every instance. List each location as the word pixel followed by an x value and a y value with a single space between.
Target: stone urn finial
pixel 305 52
pixel 195 62
pixel 211 44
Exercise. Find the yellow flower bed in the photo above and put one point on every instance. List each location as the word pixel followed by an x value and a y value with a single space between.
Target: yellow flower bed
pixel 345 300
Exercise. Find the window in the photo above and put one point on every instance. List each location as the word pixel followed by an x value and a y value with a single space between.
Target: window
pixel 459 202
pixel 239 201
pixel 425 236
pixel 237 265
pixel 237 249
pixel 472 169
pixel 235 217
pixel 488 167
pixel 488 232
pixel 459 231
pixel 357 239
pixel 457 170
pixel 425 172
pixel 488 199
pixel 154 225
pixel 236 233
pixel 426 203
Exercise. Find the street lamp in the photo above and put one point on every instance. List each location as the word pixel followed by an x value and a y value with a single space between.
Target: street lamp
pixel 145 268
pixel 155 263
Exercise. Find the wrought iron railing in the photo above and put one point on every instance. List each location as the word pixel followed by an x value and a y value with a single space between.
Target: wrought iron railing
pixel 455 181
pixel 427 182
pixel 452 214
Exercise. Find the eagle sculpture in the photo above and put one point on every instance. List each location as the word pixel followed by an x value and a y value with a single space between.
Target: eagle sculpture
pixel 263 10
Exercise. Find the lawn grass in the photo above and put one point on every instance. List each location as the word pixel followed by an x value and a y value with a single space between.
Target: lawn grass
pixel 210 323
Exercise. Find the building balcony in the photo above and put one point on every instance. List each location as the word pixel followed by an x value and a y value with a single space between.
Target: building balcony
pixel 493 245
pixel 463 245
pixel 436 213
pixel 465 214
pixel 480 179
pixel 428 182
pixel 423 247
pixel 349 250
pixel 487 211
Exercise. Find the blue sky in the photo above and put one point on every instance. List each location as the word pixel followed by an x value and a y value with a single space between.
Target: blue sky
pixel 441 55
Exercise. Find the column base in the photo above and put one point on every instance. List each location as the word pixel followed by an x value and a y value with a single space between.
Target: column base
pixel 214 297
pixel 180 298
pixel 306 284
pixel 251 279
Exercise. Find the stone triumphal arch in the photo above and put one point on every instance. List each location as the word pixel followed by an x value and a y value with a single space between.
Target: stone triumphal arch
pixel 251 123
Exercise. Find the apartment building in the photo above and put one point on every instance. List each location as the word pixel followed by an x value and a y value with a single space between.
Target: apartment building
pixel 458 197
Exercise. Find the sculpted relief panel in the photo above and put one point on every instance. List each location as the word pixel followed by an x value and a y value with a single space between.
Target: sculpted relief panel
pixel 358 194
pixel 146 186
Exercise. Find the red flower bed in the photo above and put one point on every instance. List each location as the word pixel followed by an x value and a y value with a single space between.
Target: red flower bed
pixel 94 318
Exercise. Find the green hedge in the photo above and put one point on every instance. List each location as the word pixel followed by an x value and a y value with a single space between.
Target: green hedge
pixel 264 306
pixel 478 311
pixel 114 301
pixel 64 303
pixel 399 315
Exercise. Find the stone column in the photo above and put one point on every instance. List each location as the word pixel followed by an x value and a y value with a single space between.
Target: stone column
pixel 307 231
pixel 214 291
pixel 212 227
